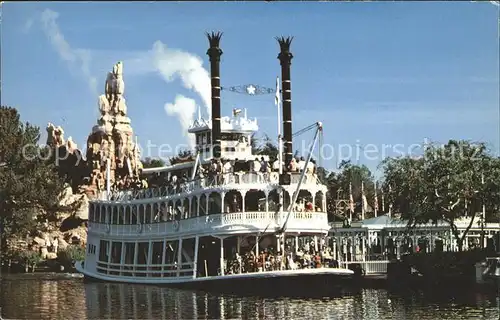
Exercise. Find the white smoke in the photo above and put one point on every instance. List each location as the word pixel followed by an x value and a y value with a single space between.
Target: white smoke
pixel 78 58
pixel 173 64
pixel 170 63
pixel 184 108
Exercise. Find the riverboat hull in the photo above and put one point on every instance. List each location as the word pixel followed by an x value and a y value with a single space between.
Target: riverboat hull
pixel 302 282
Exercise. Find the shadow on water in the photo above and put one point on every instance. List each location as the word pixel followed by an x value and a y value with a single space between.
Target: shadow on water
pixel 56 296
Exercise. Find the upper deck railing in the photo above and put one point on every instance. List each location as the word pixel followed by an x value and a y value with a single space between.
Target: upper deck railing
pixel 229 180
pixel 237 221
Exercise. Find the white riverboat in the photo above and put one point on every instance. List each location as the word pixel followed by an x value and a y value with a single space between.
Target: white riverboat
pixel 227 220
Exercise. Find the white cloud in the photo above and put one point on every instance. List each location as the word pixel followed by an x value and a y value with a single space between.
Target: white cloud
pixel 75 57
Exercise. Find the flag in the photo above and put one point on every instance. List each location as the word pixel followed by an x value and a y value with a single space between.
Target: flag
pixel 236 112
pixel 364 201
pixel 390 203
pixel 351 199
pixel 277 97
pixel 383 200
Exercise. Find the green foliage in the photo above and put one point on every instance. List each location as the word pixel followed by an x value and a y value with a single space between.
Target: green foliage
pixel 264 146
pixel 182 156
pixel 354 176
pixel 152 163
pixel 267 147
pixel 29 258
pixel 70 254
pixel 445 184
pixel 29 185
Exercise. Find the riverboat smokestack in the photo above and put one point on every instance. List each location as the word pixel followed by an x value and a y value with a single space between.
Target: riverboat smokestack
pixel 285 57
pixel 214 53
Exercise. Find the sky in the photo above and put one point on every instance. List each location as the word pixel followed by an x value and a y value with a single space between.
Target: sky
pixel 382 77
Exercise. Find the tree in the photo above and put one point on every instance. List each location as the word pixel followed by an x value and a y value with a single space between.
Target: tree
pixel 182 156
pixel 446 184
pixel 264 146
pixel 152 163
pixel 30 187
pixel 268 148
pixel 355 176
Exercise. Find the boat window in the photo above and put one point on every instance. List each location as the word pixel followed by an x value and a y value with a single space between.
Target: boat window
pixel 141 213
pixel 203 205
pixel 142 254
pixel 91 212
pixel 97 213
pixel 229 136
pixel 102 218
pixel 121 215
pixel 133 214
pixel 194 207
pixel 155 212
pixel 127 215
pixel 103 251
pixel 129 253
pixel 114 215
pixel 185 209
pixel 116 252
pixel 157 254
pixel 171 252
pixel 147 213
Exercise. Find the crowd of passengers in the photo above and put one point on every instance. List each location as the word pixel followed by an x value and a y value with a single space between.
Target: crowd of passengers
pixel 216 169
pixel 271 260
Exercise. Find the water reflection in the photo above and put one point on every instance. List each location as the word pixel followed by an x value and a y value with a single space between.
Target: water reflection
pixel 64 297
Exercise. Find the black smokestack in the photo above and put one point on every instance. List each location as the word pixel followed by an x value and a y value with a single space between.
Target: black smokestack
pixel 214 53
pixel 285 58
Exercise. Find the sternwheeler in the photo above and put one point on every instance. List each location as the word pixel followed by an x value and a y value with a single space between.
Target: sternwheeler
pixel 226 219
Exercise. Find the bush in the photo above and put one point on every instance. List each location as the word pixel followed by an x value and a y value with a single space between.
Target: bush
pixel 71 254
pixel 29 259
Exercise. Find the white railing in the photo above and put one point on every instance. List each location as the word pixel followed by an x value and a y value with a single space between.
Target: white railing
pixel 370 267
pixel 226 179
pixel 251 221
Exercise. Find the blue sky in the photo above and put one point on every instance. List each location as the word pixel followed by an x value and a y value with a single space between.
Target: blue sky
pixel 374 73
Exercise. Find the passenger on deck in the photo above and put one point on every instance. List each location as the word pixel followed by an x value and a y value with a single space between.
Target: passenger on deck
pixel 263 165
pixel 228 168
pixel 276 165
pixel 309 206
pixel 310 167
pixel 256 165
pixel 293 165
pixel 238 166
pixel 301 164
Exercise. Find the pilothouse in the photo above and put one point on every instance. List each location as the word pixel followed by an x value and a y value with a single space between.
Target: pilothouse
pixel 226 216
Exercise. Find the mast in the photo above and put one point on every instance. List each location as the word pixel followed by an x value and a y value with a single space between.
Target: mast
pixel 285 57
pixel 214 53
pixel 280 144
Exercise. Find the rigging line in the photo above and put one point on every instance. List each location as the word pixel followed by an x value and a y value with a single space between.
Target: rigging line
pixel 301 131
pixel 319 127
pixel 261 234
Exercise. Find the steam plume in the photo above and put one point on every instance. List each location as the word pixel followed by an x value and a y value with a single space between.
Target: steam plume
pixel 174 63
pixel 184 108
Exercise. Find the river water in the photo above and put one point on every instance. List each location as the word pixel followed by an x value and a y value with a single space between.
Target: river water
pixel 65 296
